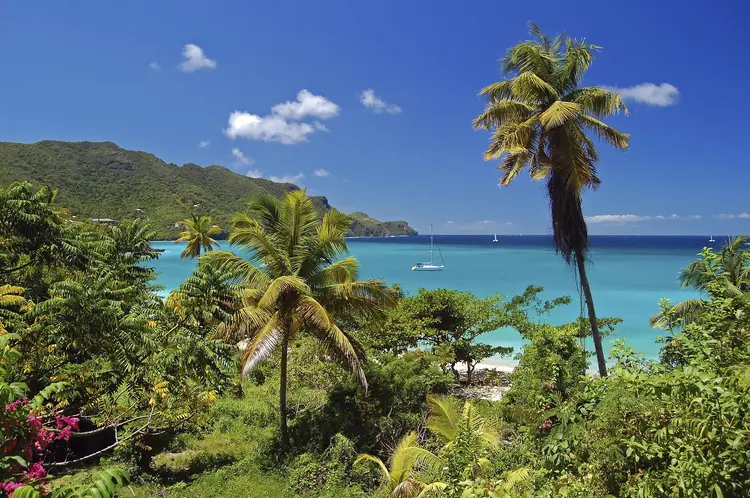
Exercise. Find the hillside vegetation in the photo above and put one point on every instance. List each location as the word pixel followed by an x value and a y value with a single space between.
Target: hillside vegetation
pixel 102 180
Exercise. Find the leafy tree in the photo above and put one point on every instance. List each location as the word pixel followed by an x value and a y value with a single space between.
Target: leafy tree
pixel 449 321
pixel 294 283
pixel 540 117
pixel 197 234
pixel 729 269
pixel 206 298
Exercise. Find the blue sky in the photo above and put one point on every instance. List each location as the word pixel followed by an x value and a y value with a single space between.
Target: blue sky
pixel 279 89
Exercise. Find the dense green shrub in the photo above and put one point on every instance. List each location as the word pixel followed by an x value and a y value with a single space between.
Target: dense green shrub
pixel 374 420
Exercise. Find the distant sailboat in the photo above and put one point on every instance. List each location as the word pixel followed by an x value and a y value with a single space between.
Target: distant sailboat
pixel 430 266
pixel 495 239
pixel 711 239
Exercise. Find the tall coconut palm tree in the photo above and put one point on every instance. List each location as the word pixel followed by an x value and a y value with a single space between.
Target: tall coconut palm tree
pixel 400 480
pixel 540 118
pixel 730 268
pixel 197 234
pixel 294 282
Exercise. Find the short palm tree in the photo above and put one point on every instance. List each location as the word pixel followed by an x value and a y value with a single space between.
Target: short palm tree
pixel 729 268
pixel 400 480
pixel 449 421
pixel 540 118
pixel 468 437
pixel 197 234
pixel 294 282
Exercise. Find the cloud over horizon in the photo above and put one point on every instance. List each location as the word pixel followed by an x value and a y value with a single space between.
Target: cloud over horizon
pixel 284 124
pixel 635 218
pixel 663 95
pixel 376 104
pixel 195 59
pixel 725 216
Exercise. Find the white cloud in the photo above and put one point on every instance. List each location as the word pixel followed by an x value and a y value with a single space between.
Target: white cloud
pixel 155 66
pixel 307 105
pixel 268 128
pixel 284 124
pixel 663 95
pixel 620 218
pixel 295 179
pixel 485 222
pixel 241 159
pixel 725 216
pixel 635 218
pixel 321 173
pixel 372 101
pixel 195 59
pixel 450 222
pixel 204 144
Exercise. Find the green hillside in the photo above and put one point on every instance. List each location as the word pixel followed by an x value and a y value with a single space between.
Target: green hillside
pixel 102 180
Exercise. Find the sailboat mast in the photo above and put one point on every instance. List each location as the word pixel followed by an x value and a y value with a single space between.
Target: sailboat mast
pixel 431 235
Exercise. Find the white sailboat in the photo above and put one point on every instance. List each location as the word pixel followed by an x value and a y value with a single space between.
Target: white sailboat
pixel 495 239
pixel 711 239
pixel 430 266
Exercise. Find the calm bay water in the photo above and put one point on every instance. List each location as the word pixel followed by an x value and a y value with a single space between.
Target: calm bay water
pixel 629 274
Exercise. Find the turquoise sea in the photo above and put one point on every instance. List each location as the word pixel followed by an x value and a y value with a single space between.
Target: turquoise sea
pixel 629 274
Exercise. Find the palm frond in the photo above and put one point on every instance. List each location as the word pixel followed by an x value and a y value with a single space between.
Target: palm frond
pixel 499 112
pixel 599 102
pixel 531 88
pixel 444 416
pixel 283 287
pixel 684 312
pixel 343 348
pixel 615 138
pixel 369 458
pixel 558 113
pixel 433 489
pixel 263 345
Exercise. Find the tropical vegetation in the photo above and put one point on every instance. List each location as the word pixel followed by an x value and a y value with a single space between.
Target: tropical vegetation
pixel 540 118
pixel 273 370
pixel 729 268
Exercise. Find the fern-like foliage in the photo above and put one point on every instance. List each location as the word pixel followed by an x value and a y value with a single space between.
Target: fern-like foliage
pixel 105 486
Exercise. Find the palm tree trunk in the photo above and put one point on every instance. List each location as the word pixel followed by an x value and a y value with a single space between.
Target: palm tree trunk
pixel 284 431
pixel 581 263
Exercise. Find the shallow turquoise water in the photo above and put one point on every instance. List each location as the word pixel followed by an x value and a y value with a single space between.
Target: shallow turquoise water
pixel 628 277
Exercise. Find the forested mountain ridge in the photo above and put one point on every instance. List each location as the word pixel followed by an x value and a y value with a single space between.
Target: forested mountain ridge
pixel 103 180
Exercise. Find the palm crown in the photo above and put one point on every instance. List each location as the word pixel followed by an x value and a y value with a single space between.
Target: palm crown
pixel 197 234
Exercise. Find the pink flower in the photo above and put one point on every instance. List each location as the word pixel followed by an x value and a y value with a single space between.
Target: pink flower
pixel 546 425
